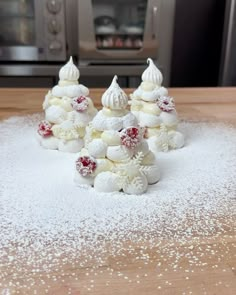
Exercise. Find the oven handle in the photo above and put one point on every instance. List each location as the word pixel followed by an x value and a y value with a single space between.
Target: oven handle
pixel 154 16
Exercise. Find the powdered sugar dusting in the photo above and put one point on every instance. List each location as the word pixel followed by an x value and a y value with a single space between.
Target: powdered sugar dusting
pixel 47 222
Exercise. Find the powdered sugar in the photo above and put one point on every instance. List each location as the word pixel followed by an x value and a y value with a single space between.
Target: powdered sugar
pixel 45 217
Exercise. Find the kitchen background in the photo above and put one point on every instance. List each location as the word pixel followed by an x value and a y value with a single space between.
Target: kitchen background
pixel 191 41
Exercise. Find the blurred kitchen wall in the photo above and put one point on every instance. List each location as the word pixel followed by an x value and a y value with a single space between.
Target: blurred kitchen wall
pixel 196 52
pixel 197 44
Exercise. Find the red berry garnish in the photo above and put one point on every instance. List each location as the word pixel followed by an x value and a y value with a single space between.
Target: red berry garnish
pixel 80 104
pixel 45 129
pixel 130 137
pixel 166 103
pixel 86 165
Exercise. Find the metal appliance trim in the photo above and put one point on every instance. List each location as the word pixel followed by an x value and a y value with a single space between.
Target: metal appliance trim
pixel 20 53
pixel 52 70
pixel 227 42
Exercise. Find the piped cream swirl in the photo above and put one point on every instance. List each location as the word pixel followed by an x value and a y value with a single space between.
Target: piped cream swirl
pixel 152 74
pixel 69 72
pixel 114 97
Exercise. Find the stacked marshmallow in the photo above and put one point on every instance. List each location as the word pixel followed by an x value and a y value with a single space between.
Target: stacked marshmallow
pixel 155 111
pixel 116 156
pixel 68 110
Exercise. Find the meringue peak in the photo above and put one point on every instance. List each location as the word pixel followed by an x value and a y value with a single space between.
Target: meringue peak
pixel 114 81
pixel 150 61
pixel 69 72
pixel 114 97
pixel 70 60
pixel 152 73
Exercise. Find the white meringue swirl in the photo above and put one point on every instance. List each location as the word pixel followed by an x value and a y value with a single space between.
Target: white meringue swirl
pixel 152 74
pixel 70 91
pixel 69 72
pixel 101 122
pixel 150 96
pixel 114 97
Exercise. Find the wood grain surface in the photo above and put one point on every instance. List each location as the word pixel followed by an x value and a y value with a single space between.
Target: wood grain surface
pixel 217 277
pixel 192 103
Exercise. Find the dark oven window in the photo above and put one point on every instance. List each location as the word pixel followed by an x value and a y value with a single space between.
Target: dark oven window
pixel 17 23
pixel 119 24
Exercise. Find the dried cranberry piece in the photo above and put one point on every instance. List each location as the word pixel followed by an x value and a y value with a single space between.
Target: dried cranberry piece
pixel 80 104
pixel 166 103
pixel 130 137
pixel 45 129
pixel 86 165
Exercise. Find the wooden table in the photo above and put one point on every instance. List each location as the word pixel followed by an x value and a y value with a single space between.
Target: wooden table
pixel 214 104
pixel 192 103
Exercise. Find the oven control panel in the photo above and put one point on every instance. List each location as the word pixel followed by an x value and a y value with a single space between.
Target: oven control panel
pixel 54 29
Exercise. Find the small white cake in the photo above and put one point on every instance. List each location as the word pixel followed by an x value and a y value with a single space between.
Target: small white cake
pixel 155 111
pixel 68 110
pixel 116 156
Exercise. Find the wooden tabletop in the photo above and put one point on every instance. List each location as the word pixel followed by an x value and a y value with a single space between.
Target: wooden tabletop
pixel 195 104
pixel 192 103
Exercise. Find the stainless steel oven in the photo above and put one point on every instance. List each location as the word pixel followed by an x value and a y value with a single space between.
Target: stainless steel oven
pixel 32 30
pixel 119 31
pixel 105 37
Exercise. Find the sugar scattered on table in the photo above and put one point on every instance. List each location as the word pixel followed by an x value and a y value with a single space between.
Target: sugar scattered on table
pixel 47 222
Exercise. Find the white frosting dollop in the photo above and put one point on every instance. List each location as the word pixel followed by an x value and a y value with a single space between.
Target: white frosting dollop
pixel 107 182
pixel 102 122
pixel 118 153
pixel 150 96
pixel 103 165
pixel 165 140
pixel 79 118
pixel 114 97
pixel 97 148
pixel 55 114
pixel 169 118
pixel 69 72
pixel 149 159
pixel 149 120
pixel 152 74
pixel 176 139
pixel 142 147
pixel 67 130
pixel 50 142
pixel 70 146
pixel 153 174
pixel 70 91
pixel 111 137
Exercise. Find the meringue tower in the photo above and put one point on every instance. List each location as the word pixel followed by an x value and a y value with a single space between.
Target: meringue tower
pixel 155 111
pixel 116 156
pixel 68 110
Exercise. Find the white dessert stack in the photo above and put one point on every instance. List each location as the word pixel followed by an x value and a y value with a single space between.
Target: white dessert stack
pixel 155 111
pixel 68 110
pixel 116 156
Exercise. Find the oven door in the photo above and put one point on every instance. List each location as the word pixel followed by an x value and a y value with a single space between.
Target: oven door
pixel 25 33
pixel 118 31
